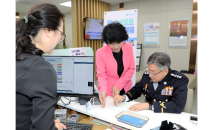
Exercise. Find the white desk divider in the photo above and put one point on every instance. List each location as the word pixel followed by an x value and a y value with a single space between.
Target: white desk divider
pixel 82 51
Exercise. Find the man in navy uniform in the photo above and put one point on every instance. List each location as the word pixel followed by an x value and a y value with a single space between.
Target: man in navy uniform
pixel 165 90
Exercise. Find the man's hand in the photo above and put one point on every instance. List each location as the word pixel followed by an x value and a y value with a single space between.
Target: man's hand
pixel 102 98
pixel 139 106
pixel 59 125
pixel 118 99
pixel 115 91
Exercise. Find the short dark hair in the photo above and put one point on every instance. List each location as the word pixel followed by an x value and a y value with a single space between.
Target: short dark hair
pixel 114 32
pixel 44 15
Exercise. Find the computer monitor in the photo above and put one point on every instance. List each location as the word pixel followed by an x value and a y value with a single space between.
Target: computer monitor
pixel 75 75
pixel 93 28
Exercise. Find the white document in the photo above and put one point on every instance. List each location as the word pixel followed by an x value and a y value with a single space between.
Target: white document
pixel 138 52
pixel 137 61
pixel 121 106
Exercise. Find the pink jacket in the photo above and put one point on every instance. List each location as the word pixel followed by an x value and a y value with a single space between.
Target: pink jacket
pixel 107 69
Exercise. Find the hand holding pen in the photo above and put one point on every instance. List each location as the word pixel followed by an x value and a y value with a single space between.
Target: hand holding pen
pixel 118 99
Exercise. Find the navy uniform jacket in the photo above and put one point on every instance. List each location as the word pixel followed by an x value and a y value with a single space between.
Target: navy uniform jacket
pixel 170 95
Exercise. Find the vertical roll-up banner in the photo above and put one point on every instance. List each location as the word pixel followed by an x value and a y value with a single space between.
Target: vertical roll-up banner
pixel 129 19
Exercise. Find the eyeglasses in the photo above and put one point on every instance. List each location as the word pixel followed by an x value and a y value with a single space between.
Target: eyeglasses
pixel 62 36
pixel 152 74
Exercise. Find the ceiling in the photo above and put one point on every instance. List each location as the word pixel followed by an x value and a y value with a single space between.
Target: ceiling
pixel 23 6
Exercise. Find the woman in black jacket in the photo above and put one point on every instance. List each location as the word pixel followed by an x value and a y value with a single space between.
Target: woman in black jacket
pixel 36 80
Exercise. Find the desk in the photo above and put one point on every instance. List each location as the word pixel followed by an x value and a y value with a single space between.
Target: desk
pixel 110 111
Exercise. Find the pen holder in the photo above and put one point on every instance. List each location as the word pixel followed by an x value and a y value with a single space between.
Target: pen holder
pixel 93 101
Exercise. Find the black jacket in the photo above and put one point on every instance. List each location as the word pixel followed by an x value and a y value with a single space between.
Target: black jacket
pixel 36 90
pixel 170 95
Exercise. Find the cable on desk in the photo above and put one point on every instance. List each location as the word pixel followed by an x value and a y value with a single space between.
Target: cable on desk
pixel 68 102
pixel 59 97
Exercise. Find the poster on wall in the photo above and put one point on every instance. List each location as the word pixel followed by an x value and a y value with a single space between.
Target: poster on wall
pixel 151 34
pixel 129 19
pixel 178 33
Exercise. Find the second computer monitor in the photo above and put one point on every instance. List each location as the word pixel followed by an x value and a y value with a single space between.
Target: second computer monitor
pixel 75 74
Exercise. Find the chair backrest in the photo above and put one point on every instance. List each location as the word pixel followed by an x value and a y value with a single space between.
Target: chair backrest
pixel 189 101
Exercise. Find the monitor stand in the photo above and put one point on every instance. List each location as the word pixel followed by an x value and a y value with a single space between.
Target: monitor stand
pixel 83 100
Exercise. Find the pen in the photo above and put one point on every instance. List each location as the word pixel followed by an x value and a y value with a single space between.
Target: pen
pixel 118 98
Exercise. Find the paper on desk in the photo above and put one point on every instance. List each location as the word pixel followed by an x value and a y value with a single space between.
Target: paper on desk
pixel 117 108
pixel 123 106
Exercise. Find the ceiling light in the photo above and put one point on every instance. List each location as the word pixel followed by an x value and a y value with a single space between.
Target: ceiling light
pixel 68 4
pixel 17 17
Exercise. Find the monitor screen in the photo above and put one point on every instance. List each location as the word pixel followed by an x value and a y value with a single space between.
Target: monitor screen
pixel 93 28
pixel 75 74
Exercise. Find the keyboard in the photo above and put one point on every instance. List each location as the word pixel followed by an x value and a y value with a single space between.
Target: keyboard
pixel 77 126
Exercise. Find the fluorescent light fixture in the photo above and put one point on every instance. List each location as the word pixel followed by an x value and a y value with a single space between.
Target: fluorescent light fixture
pixel 68 4
pixel 17 17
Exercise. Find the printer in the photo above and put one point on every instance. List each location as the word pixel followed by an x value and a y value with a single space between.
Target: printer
pixel 61 114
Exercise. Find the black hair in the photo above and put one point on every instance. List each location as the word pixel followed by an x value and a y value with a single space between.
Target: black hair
pixel 114 32
pixel 44 15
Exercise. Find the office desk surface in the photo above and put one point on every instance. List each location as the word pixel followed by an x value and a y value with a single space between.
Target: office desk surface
pixel 110 111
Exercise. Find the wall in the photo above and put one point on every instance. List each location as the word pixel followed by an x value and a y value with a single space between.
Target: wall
pixel 21 15
pixel 162 10
pixel 68 30
pixel 86 8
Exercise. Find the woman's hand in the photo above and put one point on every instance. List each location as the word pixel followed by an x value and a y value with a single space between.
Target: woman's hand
pixel 118 99
pixel 59 125
pixel 102 98
pixel 115 91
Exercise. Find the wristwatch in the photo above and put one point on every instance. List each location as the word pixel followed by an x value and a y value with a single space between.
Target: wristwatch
pixel 150 106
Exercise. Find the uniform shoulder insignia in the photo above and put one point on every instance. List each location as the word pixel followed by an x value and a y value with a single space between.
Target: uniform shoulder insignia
pixel 145 72
pixel 176 75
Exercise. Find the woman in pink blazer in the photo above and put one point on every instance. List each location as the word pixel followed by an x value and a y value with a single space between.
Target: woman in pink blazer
pixel 115 62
